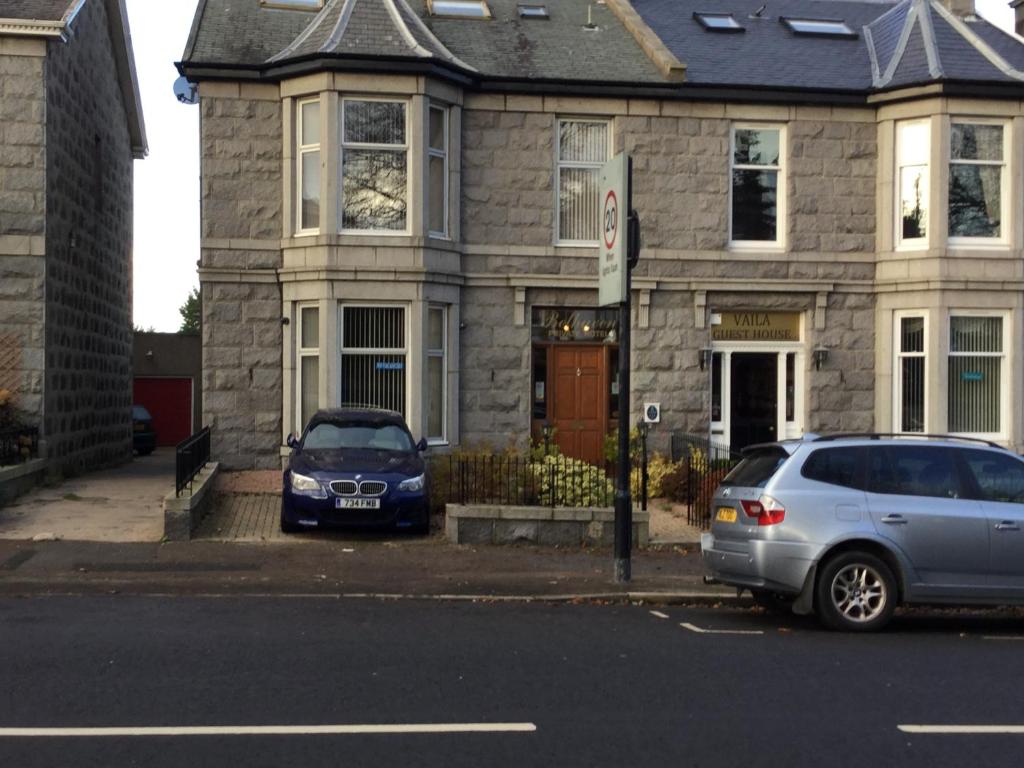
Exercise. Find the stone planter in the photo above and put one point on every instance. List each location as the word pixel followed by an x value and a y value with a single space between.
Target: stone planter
pixel 562 526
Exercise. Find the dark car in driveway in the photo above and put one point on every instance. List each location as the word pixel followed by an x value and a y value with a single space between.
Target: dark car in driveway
pixel 356 468
pixel 143 435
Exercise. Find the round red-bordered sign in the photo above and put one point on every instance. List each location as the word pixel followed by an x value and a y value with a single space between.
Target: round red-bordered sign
pixel 612 202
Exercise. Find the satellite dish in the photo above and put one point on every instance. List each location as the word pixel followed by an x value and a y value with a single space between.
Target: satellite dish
pixel 185 91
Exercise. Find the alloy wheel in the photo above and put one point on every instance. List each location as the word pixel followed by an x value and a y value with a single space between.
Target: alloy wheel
pixel 859 593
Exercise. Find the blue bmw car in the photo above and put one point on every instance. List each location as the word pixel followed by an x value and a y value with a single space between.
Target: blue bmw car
pixel 355 468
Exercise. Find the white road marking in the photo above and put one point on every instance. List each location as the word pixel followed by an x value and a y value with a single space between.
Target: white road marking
pixel 986 729
pixel 268 730
pixel 1002 637
pixel 659 614
pixel 698 630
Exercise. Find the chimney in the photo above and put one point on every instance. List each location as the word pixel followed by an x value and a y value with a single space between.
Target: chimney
pixel 1018 16
pixel 960 8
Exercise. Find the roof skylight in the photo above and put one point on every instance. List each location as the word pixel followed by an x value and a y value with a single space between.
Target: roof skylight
pixel 825 27
pixel 718 22
pixel 534 12
pixel 464 9
pixel 300 5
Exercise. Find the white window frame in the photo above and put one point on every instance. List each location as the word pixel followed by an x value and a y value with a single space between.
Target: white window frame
pixel 1003 241
pixel 779 243
pixel 1004 368
pixel 300 354
pixel 301 151
pixel 443 154
pixel 911 243
pixel 897 374
pixel 360 351
pixel 560 164
pixel 343 145
pixel 442 353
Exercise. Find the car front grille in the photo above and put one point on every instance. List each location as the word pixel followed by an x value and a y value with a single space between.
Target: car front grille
pixel 344 487
pixel 365 488
pixel 372 488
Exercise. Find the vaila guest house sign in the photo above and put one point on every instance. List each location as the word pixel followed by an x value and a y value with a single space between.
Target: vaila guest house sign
pixel 757 326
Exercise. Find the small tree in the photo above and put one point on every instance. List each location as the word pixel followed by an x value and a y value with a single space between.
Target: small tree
pixel 190 313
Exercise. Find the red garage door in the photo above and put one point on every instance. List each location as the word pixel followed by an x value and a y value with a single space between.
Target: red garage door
pixel 170 402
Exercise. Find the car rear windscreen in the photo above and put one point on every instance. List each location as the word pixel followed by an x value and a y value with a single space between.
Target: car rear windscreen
pixel 757 468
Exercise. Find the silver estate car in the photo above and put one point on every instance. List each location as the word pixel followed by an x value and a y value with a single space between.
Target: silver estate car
pixel 851 526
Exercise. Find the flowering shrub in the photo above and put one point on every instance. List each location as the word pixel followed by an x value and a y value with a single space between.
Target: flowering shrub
pixel 566 482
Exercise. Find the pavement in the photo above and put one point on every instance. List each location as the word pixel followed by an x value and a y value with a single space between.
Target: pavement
pixel 120 504
pixel 339 565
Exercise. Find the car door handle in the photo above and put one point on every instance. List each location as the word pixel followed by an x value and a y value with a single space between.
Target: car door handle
pixel 1007 525
pixel 894 520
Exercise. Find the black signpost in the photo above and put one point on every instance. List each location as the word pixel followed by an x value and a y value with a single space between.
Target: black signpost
pixel 623 496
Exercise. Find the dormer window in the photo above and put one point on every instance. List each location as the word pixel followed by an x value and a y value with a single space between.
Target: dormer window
pixel 718 22
pixel 461 9
pixel 821 27
pixel 293 5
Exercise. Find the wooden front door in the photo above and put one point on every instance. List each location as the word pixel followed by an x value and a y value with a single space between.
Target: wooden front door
pixel 580 406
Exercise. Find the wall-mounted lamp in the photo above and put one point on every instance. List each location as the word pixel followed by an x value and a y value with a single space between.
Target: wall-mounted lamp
pixel 704 357
pixel 820 356
pixel 149 354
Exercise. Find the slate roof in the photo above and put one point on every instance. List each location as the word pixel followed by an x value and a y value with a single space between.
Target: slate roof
pixel 242 33
pixel 766 53
pixel 896 43
pixel 37 10
pixel 933 45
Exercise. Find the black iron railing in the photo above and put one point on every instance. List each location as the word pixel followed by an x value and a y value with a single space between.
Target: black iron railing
pixel 530 481
pixel 707 463
pixel 190 456
pixel 18 445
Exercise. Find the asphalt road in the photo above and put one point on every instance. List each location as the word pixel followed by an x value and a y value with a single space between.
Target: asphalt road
pixel 585 684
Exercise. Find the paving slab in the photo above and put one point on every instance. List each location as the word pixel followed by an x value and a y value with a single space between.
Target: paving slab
pixel 121 504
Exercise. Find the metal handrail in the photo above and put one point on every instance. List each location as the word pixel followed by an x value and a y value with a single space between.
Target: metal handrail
pixel 190 456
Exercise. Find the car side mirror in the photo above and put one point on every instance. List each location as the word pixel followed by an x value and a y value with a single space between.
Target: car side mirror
pixel 293 442
pixel 422 444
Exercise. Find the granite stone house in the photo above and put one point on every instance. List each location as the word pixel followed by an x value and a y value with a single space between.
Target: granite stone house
pixel 70 127
pixel 399 209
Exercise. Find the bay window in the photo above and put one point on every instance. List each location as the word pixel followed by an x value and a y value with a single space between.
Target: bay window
pixel 436 354
pixel 582 149
pixel 912 150
pixel 373 357
pixel 756 188
pixel 308 166
pixel 976 369
pixel 910 374
pixel 437 172
pixel 374 166
pixel 976 180
pixel 308 384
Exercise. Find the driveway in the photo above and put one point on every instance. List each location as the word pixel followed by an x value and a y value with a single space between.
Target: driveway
pixel 118 505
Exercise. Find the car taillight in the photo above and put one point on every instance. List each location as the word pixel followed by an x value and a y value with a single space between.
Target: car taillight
pixel 766 509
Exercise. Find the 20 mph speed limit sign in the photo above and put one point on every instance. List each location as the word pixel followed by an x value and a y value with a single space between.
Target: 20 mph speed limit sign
pixel 613 236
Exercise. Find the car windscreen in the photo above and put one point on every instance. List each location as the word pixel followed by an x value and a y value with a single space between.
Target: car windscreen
pixel 757 468
pixel 333 437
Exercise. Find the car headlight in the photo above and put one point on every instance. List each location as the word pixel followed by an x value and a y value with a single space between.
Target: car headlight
pixel 413 483
pixel 307 486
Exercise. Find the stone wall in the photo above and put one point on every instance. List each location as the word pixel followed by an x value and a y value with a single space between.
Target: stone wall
pixel 242 334
pixel 494 396
pixel 681 181
pixel 22 217
pixel 89 250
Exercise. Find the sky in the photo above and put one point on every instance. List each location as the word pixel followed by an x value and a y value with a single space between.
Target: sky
pixel 167 181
